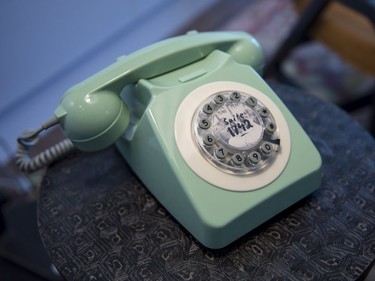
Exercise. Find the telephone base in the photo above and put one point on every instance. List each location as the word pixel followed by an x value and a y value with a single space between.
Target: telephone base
pixel 208 224
pixel 212 201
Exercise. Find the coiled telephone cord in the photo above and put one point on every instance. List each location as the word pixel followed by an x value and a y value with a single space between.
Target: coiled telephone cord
pixel 29 164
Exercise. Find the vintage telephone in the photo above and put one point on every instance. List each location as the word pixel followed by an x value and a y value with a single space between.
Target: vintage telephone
pixel 201 129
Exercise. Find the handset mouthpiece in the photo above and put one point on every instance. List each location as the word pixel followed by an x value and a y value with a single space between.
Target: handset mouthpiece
pixel 92 121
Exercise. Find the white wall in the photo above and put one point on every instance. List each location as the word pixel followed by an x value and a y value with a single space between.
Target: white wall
pixel 47 46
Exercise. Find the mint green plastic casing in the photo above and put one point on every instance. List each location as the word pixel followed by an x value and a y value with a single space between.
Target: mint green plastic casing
pixel 214 216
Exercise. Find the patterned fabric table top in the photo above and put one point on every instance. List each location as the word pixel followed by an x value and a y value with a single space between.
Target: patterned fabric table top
pixel 98 222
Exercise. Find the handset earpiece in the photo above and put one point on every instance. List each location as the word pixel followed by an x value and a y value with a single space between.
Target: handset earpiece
pixel 248 51
pixel 92 113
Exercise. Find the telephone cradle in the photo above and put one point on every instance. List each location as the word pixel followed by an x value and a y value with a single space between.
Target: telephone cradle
pixel 201 129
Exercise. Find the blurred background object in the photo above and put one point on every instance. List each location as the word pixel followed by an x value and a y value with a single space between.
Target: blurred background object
pixel 347 30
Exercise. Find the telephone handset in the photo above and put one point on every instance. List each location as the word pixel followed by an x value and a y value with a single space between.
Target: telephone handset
pixel 201 129
pixel 100 93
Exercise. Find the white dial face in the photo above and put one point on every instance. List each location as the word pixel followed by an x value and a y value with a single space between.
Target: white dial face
pixel 237 125
pixel 244 154
pixel 235 132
